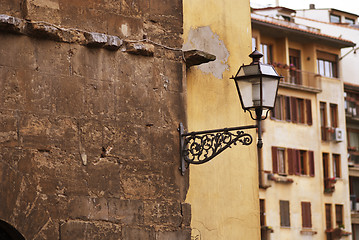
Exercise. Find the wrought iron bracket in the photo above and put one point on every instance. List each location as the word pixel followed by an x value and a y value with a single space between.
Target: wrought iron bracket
pixel 202 146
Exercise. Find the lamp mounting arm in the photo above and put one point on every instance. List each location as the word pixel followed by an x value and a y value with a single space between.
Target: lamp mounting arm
pixel 202 146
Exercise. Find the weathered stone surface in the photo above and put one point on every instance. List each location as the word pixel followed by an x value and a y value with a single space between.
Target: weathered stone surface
pixel 197 57
pixel 89 230
pixel 88 139
pixel 140 48
pixel 11 24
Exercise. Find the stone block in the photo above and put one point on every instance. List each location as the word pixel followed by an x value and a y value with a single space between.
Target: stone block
pixel 134 233
pixel 95 39
pixel 11 24
pixel 163 213
pixel 140 48
pixel 88 208
pixel 174 235
pixel 81 230
pixel 129 212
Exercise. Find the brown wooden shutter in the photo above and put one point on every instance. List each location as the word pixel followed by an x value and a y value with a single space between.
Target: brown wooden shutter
pixel 296 161
pixel 262 211
pixel 294 109
pixel 290 161
pixel 274 159
pixel 306 215
pixel 311 163
pixel 308 107
pixel 328 216
pixel 287 109
pixel 284 213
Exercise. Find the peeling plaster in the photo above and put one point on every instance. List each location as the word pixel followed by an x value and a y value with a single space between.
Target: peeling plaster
pixel 203 38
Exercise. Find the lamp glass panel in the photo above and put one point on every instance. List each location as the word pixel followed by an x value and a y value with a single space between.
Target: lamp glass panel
pixel 248 89
pixel 248 70
pixel 270 86
pixel 268 70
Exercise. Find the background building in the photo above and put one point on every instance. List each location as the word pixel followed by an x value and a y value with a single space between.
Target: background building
pixel 337 22
pixel 305 181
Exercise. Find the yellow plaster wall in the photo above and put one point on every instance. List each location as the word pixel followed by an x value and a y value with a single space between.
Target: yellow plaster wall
pixel 223 193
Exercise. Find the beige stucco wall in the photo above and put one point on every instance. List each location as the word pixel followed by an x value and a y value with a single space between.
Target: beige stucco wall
pixel 223 193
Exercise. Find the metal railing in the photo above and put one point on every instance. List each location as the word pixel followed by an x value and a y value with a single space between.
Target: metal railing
pixel 300 79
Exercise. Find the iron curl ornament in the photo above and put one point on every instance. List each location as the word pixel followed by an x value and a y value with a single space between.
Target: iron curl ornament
pixel 201 147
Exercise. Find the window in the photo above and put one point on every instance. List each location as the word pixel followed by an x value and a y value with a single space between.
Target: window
pixel 295 66
pixel 334 18
pixel 284 213
pixel 323 121
pixel 334 115
pixel 327 64
pixel 304 168
pixel 263 219
pixel 339 215
pixel 292 109
pixel 262 212
pixel 267 53
pixel 350 21
pixel 328 216
pixel 328 220
pixel 281 161
pixel 254 43
pixel 300 108
pixel 287 161
pixel 306 215
pixel 336 166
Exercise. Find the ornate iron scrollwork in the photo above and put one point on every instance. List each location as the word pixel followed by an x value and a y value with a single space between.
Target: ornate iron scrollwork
pixel 201 147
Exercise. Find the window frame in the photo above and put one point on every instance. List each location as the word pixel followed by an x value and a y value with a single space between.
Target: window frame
pixel 339 218
pixel 334 16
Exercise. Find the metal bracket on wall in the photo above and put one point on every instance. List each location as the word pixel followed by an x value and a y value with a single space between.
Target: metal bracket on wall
pixel 202 146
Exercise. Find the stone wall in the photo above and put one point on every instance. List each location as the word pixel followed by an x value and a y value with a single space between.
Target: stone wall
pixel 88 125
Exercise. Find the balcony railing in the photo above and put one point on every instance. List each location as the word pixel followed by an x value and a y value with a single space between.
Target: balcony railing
pixel 299 79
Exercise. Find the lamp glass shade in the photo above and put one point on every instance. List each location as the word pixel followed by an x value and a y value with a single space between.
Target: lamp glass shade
pixel 251 80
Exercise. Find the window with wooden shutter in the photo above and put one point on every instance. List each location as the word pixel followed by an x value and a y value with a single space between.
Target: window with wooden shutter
pixel 333 115
pixel 308 109
pixel 336 166
pixel 294 109
pixel 288 114
pixel 274 160
pixel 281 159
pixel 339 215
pixel 290 161
pixel 284 213
pixel 296 160
pixel 303 161
pixel 300 110
pixel 328 216
pixel 311 163
pixel 323 121
pixel 262 210
pixel 306 215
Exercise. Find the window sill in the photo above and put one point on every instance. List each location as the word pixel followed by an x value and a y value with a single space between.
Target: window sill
pixel 308 231
pixel 280 179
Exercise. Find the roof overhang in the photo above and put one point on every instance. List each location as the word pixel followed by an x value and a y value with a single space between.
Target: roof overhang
pixel 297 34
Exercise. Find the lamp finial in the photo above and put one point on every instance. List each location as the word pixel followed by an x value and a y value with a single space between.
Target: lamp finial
pixel 255 55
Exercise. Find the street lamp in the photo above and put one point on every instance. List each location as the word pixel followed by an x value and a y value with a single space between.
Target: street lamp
pixel 257 86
